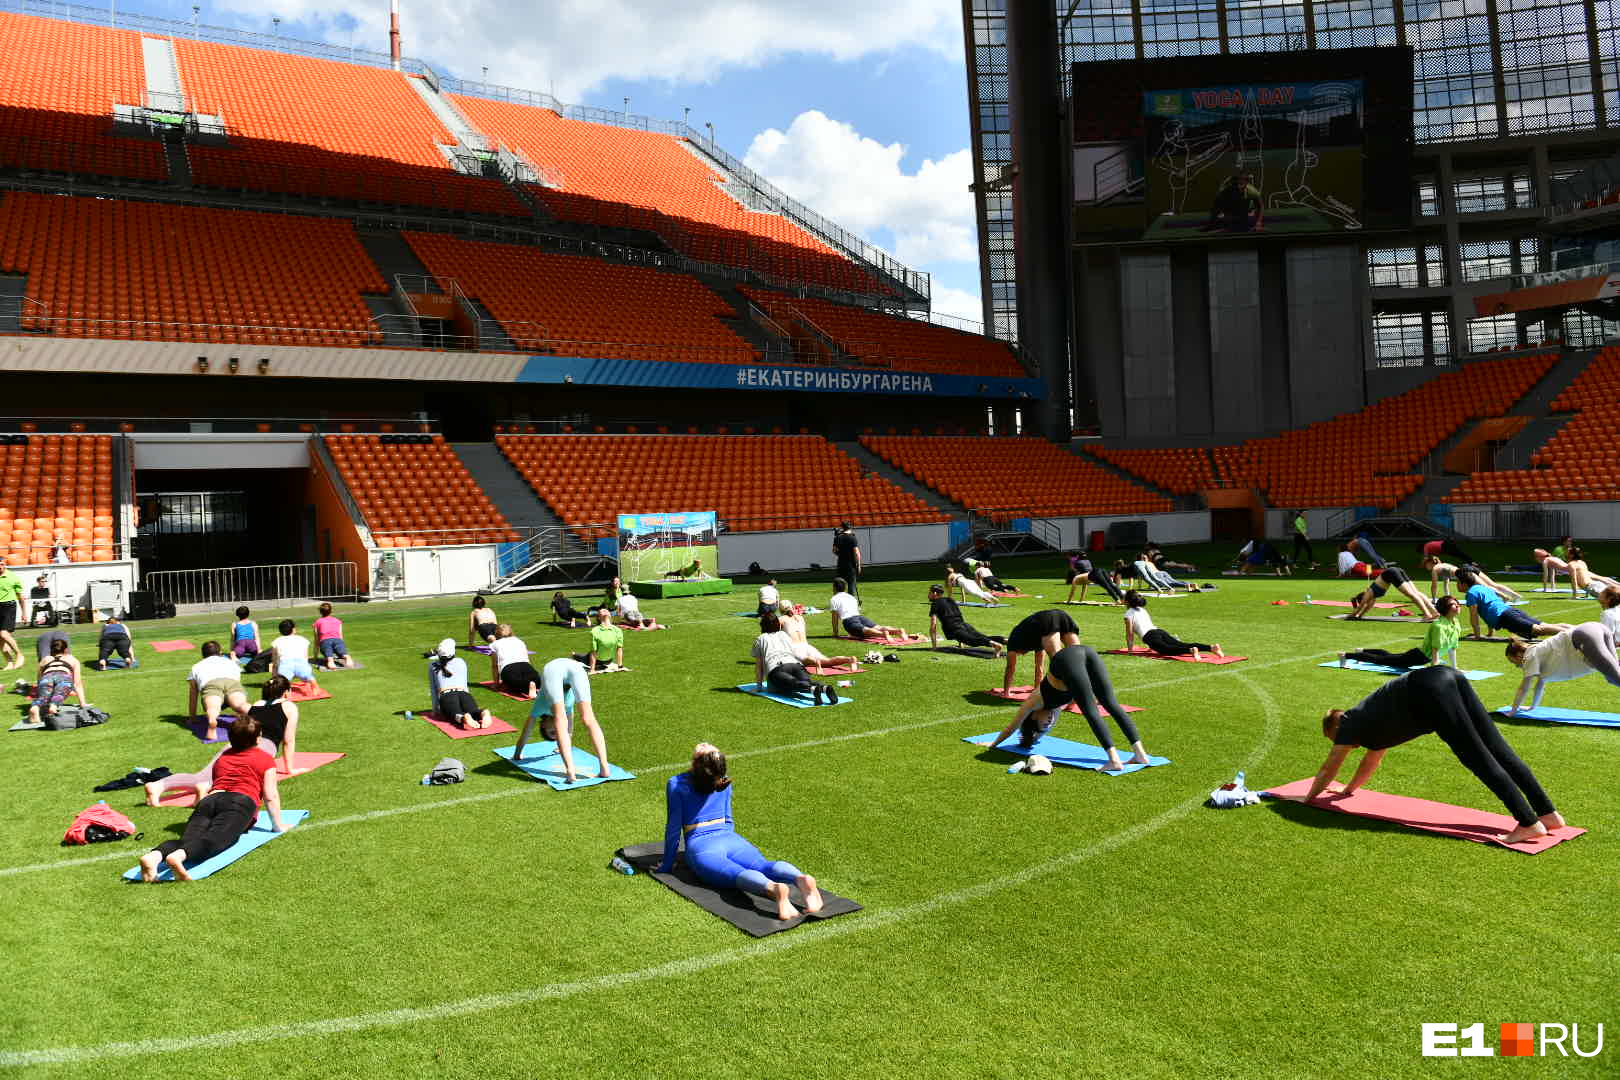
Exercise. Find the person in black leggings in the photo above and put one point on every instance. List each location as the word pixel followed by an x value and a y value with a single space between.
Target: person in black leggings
pixel 1441 638
pixel 563 611
pixel 945 617
pixel 114 639
pixel 1138 623
pixel 1082 573
pixel 1077 675
pixel 1442 701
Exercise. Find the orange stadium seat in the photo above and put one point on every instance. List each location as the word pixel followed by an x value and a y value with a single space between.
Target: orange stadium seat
pixel 58 488
pixel 325 128
pixel 1012 478
pixel 416 494
pixel 150 271
pixel 58 86
pixel 740 477
pixel 647 180
pixel 594 308
pixel 1184 471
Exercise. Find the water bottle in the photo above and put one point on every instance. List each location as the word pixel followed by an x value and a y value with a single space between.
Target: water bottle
pixel 1238 781
pixel 618 863
pixel 1307 598
pixel 409 715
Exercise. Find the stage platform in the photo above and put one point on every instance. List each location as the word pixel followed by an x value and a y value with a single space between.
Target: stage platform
pixel 665 590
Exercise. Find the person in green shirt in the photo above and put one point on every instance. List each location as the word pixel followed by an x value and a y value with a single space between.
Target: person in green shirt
pixel 1302 540
pixel 606 640
pixel 11 595
pixel 1439 643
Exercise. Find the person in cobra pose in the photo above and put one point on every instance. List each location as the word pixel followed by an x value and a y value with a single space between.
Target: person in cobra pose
pixel 1581 578
pixel 564 613
pixel 1387 578
pixel 944 616
pixel 698 810
pixel 1484 604
pixel 1438 700
pixel 509 666
pixel 813 659
pixel 1139 624
pixel 955 580
pixel 777 665
pixel 1568 654
pixel 1439 641
pixel 1077 675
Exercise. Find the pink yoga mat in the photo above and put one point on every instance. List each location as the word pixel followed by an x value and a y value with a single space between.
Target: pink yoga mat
pixel 302 691
pixel 1021 693
pixel 307 762
pixel 913 639
pixel 177 645
pixel 1208 658
pixel 654 626
pixel 498 689
pixel 1461 822
pixel 499 727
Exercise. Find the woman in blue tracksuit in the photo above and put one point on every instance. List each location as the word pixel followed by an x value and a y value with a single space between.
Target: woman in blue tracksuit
pixel 699 803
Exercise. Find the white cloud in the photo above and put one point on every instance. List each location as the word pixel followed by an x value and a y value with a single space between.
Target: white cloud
pixel 862 184
pixel 958 302
pixel 577 44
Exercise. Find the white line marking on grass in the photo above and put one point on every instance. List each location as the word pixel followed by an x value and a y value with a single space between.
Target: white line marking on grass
pixel 869 920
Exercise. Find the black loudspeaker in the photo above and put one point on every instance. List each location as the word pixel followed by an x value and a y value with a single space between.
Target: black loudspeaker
pixel 141 604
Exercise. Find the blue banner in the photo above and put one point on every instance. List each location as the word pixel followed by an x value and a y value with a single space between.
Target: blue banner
pixel 611 372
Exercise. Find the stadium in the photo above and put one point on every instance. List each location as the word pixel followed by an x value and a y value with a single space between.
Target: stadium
pixel 1300 326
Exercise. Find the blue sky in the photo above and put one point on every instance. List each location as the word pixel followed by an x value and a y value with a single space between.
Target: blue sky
pixel 860 110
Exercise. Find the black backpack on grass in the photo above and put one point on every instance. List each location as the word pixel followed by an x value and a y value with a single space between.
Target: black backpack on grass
pixel 259 664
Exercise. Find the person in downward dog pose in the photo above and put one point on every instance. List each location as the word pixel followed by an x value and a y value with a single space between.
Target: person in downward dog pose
pixel 1384 580
pixel 698 810
pixel 1568 654
pixel 1077 675
pixel 564 684
pixel 1438 700
pixel 1043 633
pixel 1139 624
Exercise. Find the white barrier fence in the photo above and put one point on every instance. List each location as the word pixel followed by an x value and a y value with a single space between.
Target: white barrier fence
pixel 225 585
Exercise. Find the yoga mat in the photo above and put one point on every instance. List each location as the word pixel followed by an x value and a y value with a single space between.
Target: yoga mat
pixel 910 639
pixel 1384 669
pixel 797 703
pixel 966 650
pixel 24 725
pixel 1382 618
pixel 1021 693
pixel 1008 595
pixel 1554 715
pixel 1089 603
pixel 498 689
pixel 654 626
pixel 1503 640
pixel 308 762
pixel 358 666
pixel 1344 603
pixel 1151 655
pixel 487 651
pixel 302 691
pixel 199 728
pixel 981 603
pixel 114 663
pixel 542 762
pixel 177 645
pixel 1076 755
pixel 827 671
pixel 1461 822
pixel 498 727
pixel 751 914
pixel 259 835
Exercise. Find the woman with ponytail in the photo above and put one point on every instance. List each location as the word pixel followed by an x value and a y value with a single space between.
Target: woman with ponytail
pixel 699 802
pixel 447 689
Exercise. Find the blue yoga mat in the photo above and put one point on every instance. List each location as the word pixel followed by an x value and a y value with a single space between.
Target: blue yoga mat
pixel 797 703
pixel 541 761
pixel 1384 669
pixel 259 835
pixel 1077 755
pixel 1568 716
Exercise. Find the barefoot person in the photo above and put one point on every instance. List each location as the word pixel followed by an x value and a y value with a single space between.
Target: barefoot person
pixel 59 675
pixel 1139 624
pixel 699 811
pixel 1390 577
pixel 845 611
pixel 509 667
pixel 1043 633
pixel 1084 573
pixel 481 622
pixel 1442 701
pixel 1483 604
pixel 945 617
pixel 966 587
pixel 814 660
pixel 777 665
pixel 1077 675
pixel 563 684
pixel 216 679
pixel 1439 643
pixel 1570 654
pixel 447 689
pixel 242 776
pixel 1440 571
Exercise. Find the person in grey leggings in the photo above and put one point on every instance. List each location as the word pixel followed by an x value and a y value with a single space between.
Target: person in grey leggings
pixel 1078 675
pixel 1569 654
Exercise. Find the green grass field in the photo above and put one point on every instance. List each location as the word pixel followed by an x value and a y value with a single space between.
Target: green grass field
pixel 1073 925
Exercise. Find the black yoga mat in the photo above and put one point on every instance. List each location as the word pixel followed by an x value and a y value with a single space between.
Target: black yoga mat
pixel 751 914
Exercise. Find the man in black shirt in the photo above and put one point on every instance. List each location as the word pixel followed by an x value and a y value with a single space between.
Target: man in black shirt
pixel 944 616
pixel 1440 700
pixel 848 552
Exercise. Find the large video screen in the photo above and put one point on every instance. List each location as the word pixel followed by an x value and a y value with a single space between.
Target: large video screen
pixel 1272 158
pixel 1242 146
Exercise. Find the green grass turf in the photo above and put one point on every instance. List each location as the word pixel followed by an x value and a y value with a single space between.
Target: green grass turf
pixel 1071 925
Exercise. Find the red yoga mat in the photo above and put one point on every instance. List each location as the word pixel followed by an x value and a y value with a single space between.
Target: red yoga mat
pixel 499 727
pixel 495 686
pixel 306 761
pixel 1208 658
pixel 828 669
pixel 177 645
pixel 654 626
pixel 1021 693
pixel 910 639
pixel 303 691
pixel 1461 822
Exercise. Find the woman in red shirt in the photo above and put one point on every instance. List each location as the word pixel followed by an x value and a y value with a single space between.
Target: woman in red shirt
pixel 242 776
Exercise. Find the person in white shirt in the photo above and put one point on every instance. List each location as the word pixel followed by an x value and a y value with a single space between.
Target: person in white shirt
pixel 769 597
pixel 968 587
pixel 289 654
pixel 777 665
pixel 1609 600
pixel 509 665
pixel 628 608
pixel 845 611
pixel 1139 625
pixel 448 691
pixel 216 679
pixel 1568 654
pixel 1350 565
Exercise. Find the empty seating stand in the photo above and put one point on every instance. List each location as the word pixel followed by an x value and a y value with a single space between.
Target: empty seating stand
pixel 58 84
pixel 320 127
pixel 1580 462
pixel 1014 477
pixel 58 489
pixel 148 271
pixel 413 491
pixel 647 180
pixel 578 306
pixel 1180 471
pixel 756 483
pixel 893 341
